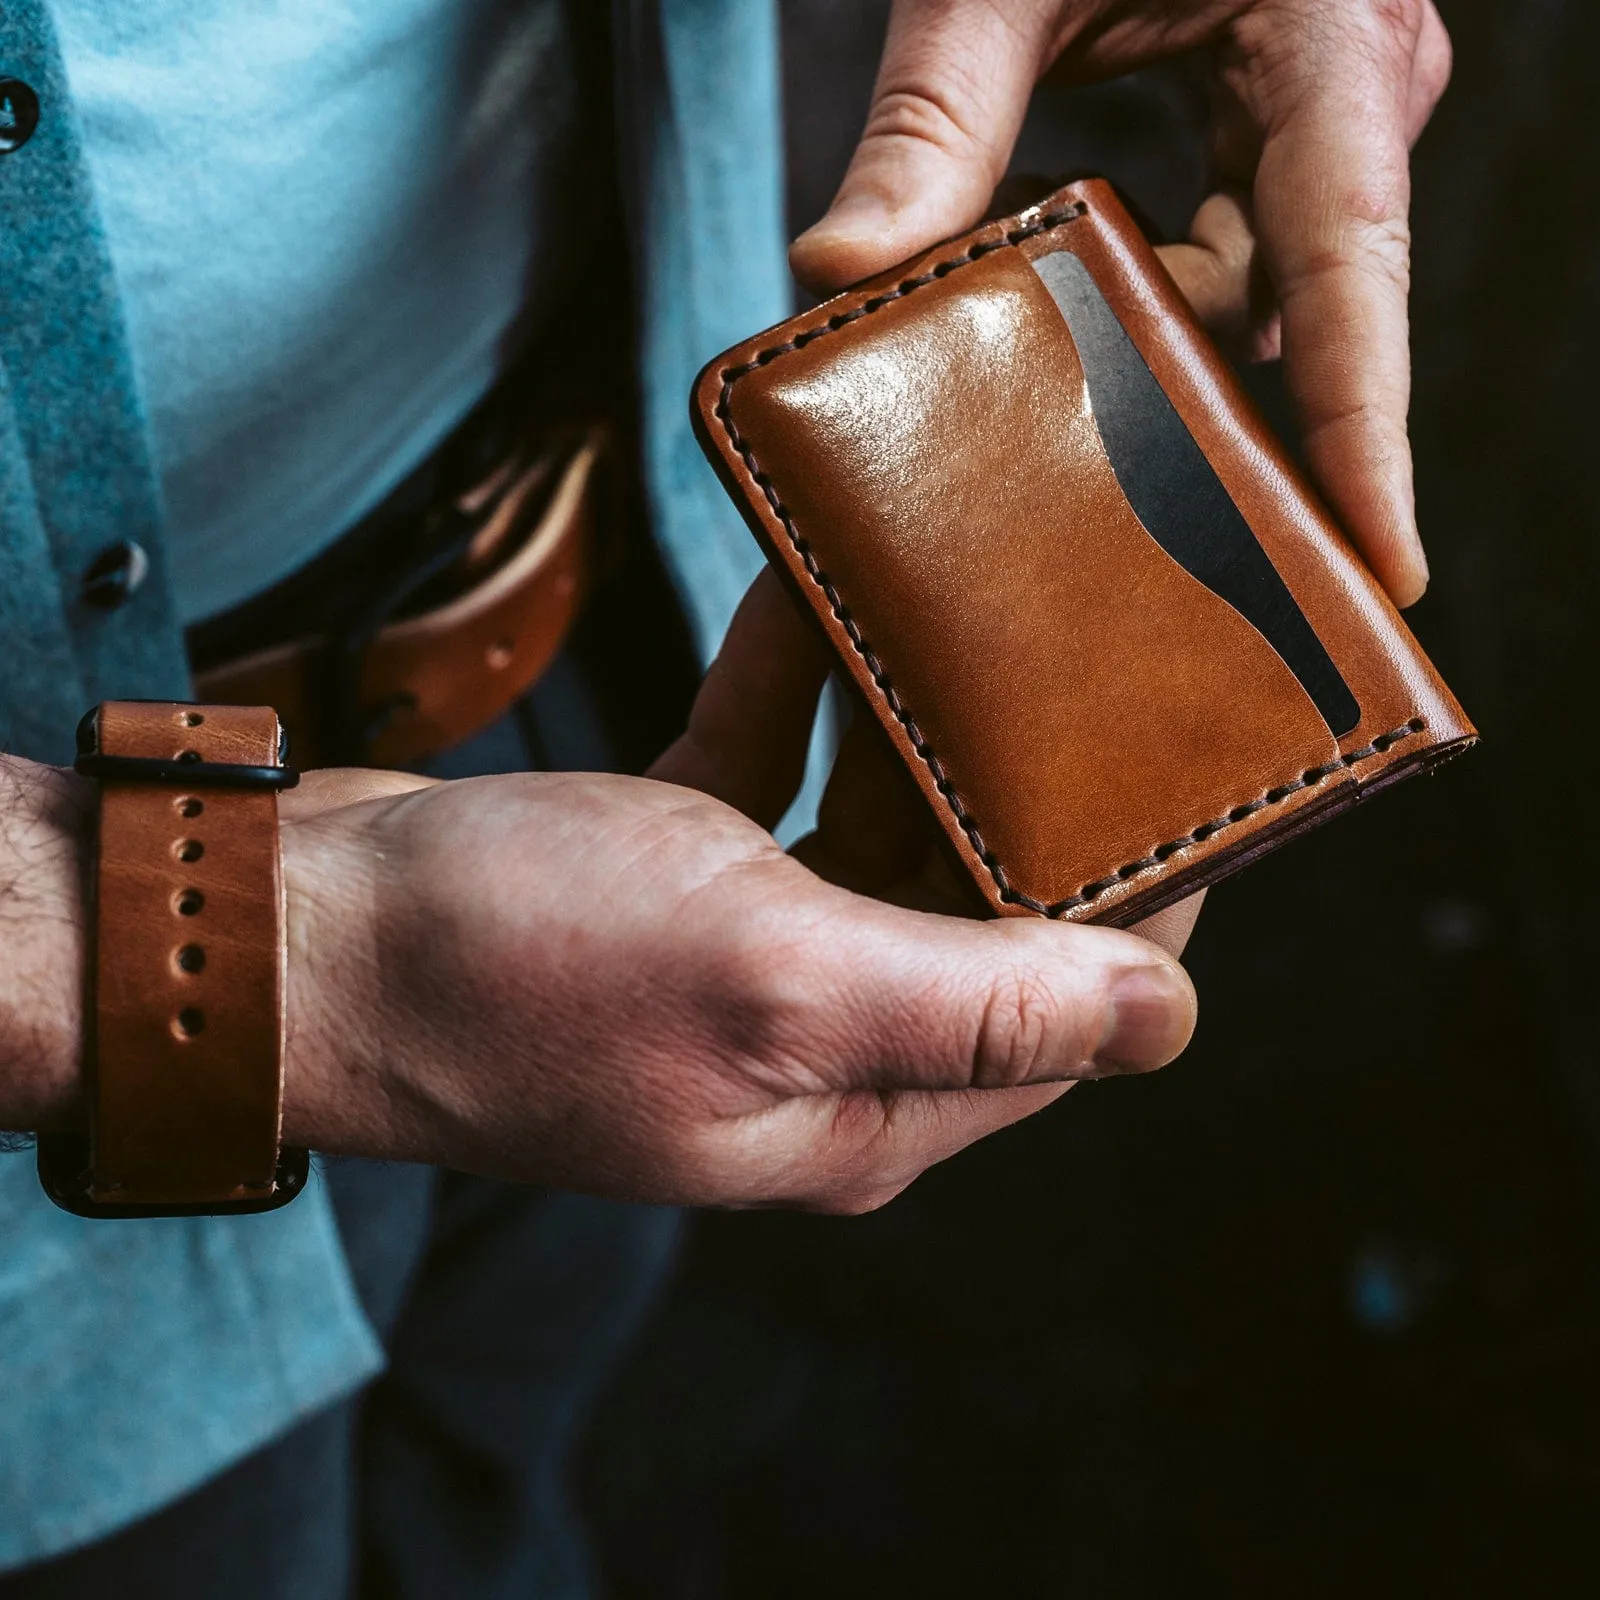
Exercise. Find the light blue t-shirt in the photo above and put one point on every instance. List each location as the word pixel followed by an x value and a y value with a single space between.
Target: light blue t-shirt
pixel 387 185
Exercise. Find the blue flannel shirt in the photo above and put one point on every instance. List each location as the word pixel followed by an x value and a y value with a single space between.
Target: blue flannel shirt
pixel 138 1359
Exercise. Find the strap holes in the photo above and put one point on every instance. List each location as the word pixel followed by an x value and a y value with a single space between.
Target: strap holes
pixel 188 806
pixel 190 850
pixel 188 902
pixel 191 719
pixel 188 1022
pixel 189 756
pixel 191 958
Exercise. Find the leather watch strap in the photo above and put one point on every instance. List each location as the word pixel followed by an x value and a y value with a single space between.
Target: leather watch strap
pixel 185 1064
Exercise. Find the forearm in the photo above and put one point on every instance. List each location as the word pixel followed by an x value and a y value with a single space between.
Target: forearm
pixel 44 831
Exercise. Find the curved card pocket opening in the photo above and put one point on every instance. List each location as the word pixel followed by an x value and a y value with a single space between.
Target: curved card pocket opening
pixel 1175 493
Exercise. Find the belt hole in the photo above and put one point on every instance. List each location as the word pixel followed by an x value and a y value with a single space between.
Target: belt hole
pixel 188 902
pixel 191 958
pixel 191 719
pixel 188 806
pixel 189 757
pixel 188 1022
pixel 190 850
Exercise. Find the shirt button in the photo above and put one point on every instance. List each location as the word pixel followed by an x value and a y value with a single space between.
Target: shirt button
pixel 114 575
pixel 19 114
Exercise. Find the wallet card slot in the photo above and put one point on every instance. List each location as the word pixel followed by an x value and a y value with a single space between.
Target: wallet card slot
pixel 1175 493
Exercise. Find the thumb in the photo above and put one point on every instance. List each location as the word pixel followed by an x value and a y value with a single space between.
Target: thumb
pixel 886 998
pixel 950 97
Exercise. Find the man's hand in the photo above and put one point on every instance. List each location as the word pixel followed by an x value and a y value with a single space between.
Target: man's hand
pixel 624 986
pixel 45 818
pixel 621 985
pixel 1318 103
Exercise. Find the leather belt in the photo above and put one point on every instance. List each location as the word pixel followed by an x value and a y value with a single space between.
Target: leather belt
pixel 440 650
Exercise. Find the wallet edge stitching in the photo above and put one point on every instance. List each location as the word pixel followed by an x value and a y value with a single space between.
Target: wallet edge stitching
pixel 1047 223
pixel 1159 854
pixel 1309 779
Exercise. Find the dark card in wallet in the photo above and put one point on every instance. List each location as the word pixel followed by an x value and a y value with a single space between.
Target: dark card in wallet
pixel 1112 633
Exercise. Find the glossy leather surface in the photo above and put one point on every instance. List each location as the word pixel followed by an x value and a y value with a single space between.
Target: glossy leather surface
pixel 1096 730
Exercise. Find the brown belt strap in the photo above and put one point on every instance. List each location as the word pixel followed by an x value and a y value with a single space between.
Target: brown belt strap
pixel 185 1065
pixel 426 683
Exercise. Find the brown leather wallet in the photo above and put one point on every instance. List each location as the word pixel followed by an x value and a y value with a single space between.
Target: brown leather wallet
pixel 1109 629
pixel 184 1070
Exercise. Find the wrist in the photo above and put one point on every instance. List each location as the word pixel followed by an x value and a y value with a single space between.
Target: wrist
pixel 46 828
pixel 331 1044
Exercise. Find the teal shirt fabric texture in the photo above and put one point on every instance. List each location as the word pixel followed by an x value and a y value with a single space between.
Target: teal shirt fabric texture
pixel 387 190
pixel 139 1359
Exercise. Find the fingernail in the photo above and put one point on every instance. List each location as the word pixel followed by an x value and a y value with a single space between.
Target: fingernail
pixel 1152 1018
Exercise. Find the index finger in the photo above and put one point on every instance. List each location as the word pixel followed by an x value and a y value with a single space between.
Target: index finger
pixel 1333 194
pixel 750 726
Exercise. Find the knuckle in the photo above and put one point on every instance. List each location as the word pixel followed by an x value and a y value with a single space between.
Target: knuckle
pixel 1434 74
pixel 1365 237
pixel 1026 1031
pixel 1296 50
pixel 1384 244
pixel 926 114
pixel 1402 18
pixel 1435 61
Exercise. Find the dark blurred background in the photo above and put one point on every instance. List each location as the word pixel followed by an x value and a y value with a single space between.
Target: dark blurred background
pixel 1317 1310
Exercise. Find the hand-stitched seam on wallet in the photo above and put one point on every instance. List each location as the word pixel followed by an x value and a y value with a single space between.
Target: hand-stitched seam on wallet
pixel 942 781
